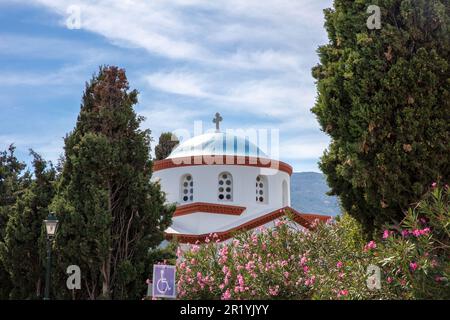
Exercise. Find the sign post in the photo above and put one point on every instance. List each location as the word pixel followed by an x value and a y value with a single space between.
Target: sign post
pixel 164 281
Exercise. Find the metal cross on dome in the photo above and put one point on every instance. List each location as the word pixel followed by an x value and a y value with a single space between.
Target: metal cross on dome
pixel 217 120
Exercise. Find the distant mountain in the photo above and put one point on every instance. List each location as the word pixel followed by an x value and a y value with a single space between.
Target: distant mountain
pixel 308 194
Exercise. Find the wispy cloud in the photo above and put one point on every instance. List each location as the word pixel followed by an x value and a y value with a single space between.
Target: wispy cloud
pixel 274 97
pixel 191 30
pixel 250 60
pixel 182 83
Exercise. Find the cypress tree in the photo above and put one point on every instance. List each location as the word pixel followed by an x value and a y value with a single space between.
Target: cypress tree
pixel 23 252
pixel 111 215
pixel 12 182
pixel 384 99
pixel 167 142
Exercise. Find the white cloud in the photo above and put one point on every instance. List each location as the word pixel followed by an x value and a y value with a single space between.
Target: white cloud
pixel 67 75
pixel 304 147
pixel 273 97
pixel 177 82
pixel 170 29
pixel 47 146
pixel 160 118
pixel 247 58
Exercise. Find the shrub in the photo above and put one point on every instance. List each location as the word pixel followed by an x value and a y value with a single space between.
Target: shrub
pixel 328 262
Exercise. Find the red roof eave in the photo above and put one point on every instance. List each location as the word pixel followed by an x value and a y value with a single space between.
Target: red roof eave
pixel 304 219
pixel 221 160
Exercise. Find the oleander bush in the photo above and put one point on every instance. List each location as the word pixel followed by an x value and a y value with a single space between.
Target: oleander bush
pixel 331 261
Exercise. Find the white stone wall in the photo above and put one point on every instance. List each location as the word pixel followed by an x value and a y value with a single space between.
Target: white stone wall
pixel 205 179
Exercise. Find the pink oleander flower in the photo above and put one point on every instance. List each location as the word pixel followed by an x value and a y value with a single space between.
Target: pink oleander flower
pixel 249 266
pixel 413 266
pixel 434 185
pixel 273 291
pixel 420 232
pixel 303 260
pixel 339 264
pixel 343 293
pixel 279 223
pixel 386 234
pixel 405 233
pixel 226 295
pixel 254 238
pixel 240 280
pixel 223 253
pixel 389 280
pixel 286 274
pixel 370 245
pixel 207 240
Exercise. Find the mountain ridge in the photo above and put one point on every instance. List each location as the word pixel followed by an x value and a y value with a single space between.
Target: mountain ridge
pixel 309 194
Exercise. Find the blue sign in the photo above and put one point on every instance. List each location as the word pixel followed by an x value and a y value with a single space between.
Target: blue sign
pixel 164 281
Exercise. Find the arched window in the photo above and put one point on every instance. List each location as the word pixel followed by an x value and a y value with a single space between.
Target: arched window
pixel 187 188
pixel 261 189
pixel 225 187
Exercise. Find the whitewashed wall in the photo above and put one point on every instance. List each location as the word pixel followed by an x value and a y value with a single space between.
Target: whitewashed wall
pixel 244 178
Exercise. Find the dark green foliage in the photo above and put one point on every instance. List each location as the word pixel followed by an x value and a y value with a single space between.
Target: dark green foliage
pixel 110 213
pixel 12 182
pixel 23 252
pixel 384 98
pixel 167 141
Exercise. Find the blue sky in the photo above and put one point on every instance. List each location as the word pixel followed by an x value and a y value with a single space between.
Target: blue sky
pixel 250 60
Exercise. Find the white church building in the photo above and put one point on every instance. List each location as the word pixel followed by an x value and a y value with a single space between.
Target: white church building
pixel 223 183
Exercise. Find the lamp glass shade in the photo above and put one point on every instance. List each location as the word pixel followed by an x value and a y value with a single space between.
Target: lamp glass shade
pixel 50 225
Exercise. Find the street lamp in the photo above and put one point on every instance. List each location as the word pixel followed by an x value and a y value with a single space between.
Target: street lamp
pixel 51 224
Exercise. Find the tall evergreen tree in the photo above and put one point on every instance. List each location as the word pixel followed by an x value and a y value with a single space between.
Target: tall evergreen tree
pixel 23 251
pixel 12 182
pixel 167 142
pixel 384 98
pixel 110 213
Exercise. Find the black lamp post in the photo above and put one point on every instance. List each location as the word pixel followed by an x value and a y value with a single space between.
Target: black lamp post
pixel 51 224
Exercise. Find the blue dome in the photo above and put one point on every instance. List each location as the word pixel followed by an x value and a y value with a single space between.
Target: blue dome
pixel 217 143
